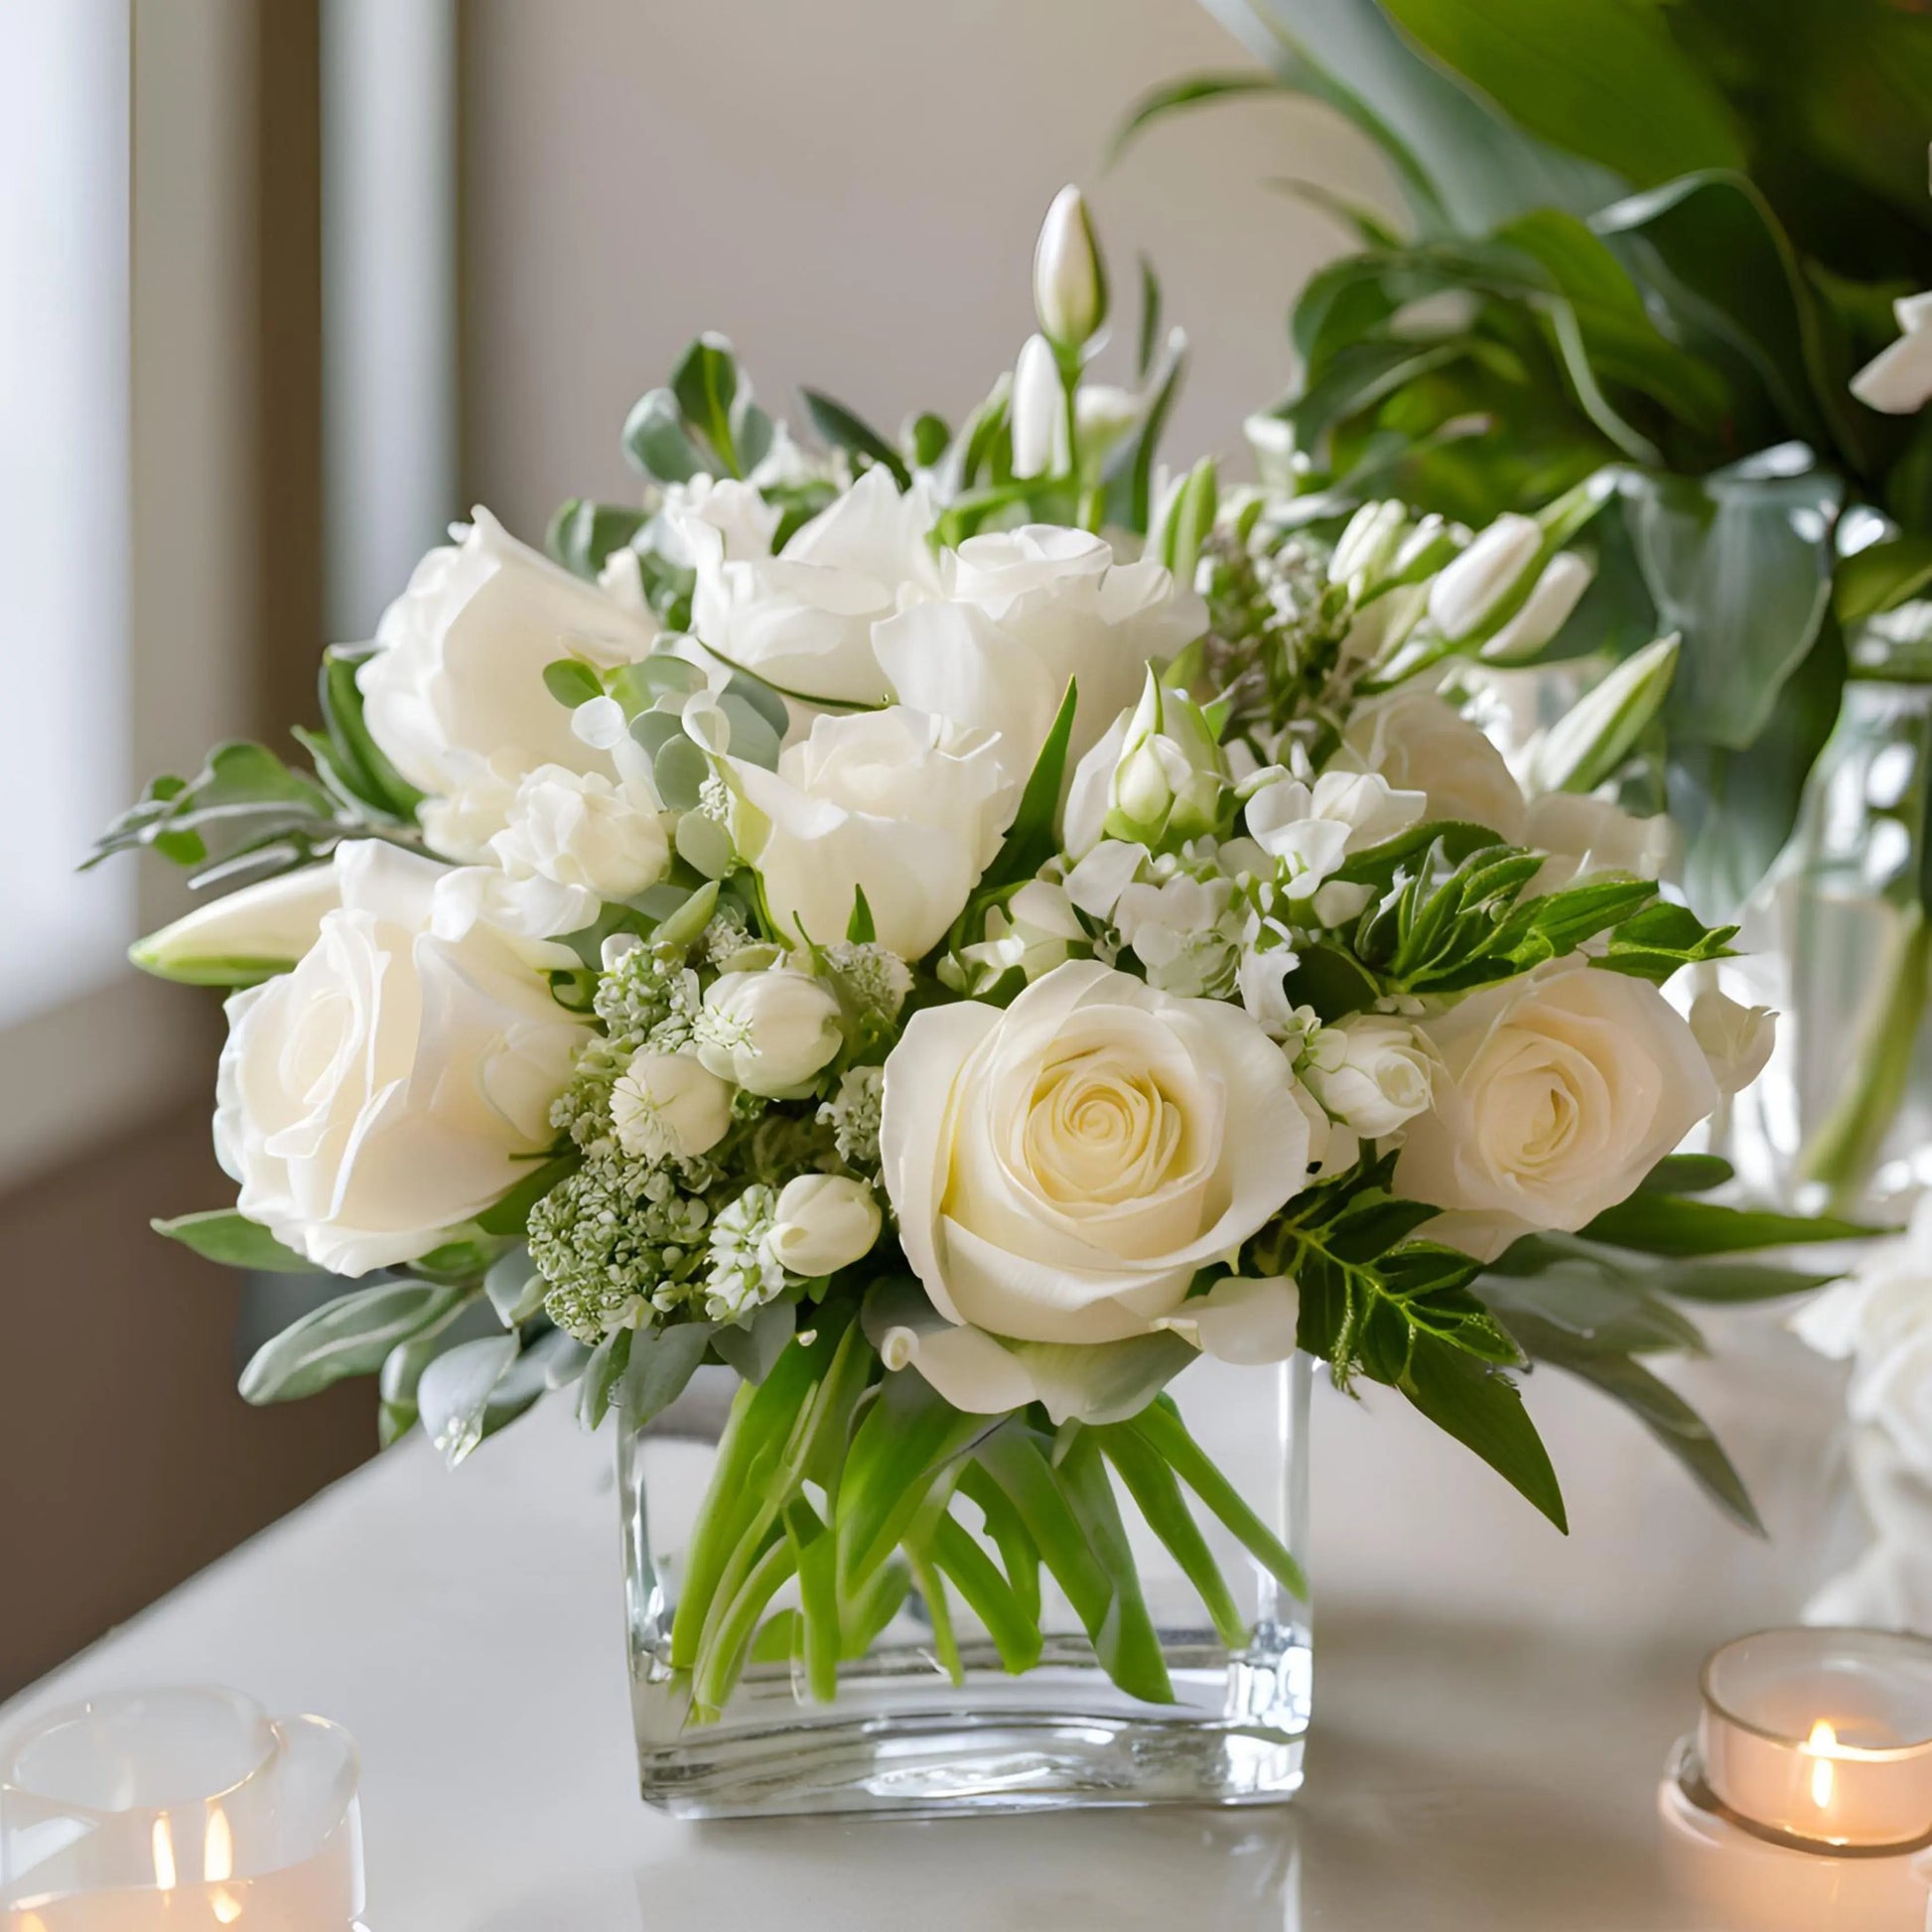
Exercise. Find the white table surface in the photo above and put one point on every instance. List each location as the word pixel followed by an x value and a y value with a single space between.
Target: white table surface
pixel 1493 1704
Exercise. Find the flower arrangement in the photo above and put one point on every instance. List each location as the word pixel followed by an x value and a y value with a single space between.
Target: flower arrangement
pixel 957 930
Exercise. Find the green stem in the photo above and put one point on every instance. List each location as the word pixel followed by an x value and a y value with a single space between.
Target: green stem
pixel 1018 1551
pixel 1015 1630
pixel 933 1588
pixel 815 1557
pixel 721 1660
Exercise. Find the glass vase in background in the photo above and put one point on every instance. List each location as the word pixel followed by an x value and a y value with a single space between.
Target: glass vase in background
pixel 1841 1117
pixel 903 1736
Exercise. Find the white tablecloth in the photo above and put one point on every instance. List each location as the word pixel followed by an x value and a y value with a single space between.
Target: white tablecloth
pixel 1493 1704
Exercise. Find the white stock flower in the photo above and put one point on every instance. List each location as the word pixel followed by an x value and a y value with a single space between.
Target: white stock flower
pixel 1736 1040
pixel 803 619
pixel 768 1030
pixel 1308 830
pixel 1420 742
pixel 1061 1169
pixel 1556 1094
pixel 901 804
pixel 1024 611
pixel 1371 1071
pixel 582 830
pixel 669 1107
pixel 454 695
pixel 1185 931
pixel 394 1084
pixel 1588 837
pixel 823 1222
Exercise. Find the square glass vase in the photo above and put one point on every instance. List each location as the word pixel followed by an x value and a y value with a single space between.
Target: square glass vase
pixel 904 1736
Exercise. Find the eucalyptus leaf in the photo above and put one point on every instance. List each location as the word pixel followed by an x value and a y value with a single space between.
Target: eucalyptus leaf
pixel 660 1364
pixel 351 1335
pixel 752 1348
pixel 455 1390
pixel 223 1234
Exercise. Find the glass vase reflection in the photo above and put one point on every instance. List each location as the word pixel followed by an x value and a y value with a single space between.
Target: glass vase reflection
pixel 924 1719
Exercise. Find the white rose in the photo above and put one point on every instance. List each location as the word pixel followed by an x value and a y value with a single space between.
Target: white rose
pixel 1021 614
pixel 583 830
pixel 1371 1071
pixel 1557 1093
pixel 770 1032
pixel 1061 1169
pixel 1588 837
pixel 823 1222
pixel 669 1106
pixel 904 805
pixel 803 619
pixel 1420 743
pixel 1736 1040
pixel 394 1084
pixel 455 695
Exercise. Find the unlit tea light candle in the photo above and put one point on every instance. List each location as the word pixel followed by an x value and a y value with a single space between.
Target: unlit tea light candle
pixel 178 1810
pixel 1805 1798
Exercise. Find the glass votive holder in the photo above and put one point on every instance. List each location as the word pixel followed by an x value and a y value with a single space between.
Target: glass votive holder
pixel 1804 1798
pixel 178 1809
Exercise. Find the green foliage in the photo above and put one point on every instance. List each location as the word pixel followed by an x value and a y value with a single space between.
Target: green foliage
pixel 221 1234
pixel 704 423
pixel 351 1335
pixel 845 430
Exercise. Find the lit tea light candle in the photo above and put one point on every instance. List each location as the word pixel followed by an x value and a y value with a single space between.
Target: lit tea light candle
pixel 1803 1800
pixel 180 1811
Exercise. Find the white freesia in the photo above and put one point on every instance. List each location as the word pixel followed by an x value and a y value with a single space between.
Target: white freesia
pixel 1069 279
pixel 669 1106
pixel 396 1083
pixel 1466 590
pixel 823 1222
pixel 454 695
pixel 1061 1169
pixel 1898 379
pixel 583 830
pixel 770 1032
pixel 1024 611
pixel 1588 837
pixel 899 804
pixel 1736 1040
pixel 1371 1071
pixel 1308 830
pixel 247 934
pixel 1556 1094
pixel 1419 741
pixel 803 619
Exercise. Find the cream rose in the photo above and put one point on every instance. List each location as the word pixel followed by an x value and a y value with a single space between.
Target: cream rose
pixel 455 695
pixel 1063 1169
pixel 1556 1094
pixel 904 806
pixel 1020 613
pixel 396 1082
pixel 1420 742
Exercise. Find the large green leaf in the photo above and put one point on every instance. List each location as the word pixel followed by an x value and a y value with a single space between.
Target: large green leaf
pixel 1601 78
pixel 1478 1405
pixel 350 1335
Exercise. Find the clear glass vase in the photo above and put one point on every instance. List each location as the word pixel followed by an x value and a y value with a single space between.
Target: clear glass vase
pixel 1841 947
pixel 906 1735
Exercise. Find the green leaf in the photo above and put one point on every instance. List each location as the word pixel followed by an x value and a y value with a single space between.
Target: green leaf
pixel 1671 1224
pixel 658 443
pixel 858 928
pixel 1014 1628
pixel 350 1335
pixel 1481 1407
pixel 584 534
pixel 1686 1174
pixel 659 1367
pixel 705 383
pixel 511 1215
pixel 1156 1495
pixel 572 682
pixel 815 1557
pixel 1031 839
pixel 602 1375
pixel 358 758
pixel 841 428
pixel 1883 576
pixel 1660 939
pixel 224 1236
pixel 1194 90
pixel 907 1439
pixel 1128 1645
pixel 928 438
pixel 515 1289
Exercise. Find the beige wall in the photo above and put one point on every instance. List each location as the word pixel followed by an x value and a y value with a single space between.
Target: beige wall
pixel 850 190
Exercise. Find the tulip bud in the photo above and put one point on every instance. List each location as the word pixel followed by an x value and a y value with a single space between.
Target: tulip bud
pixel 1466 590
pixel 1069 278
pixel 1595 735
pixel 1365 547
pixel 1038 410
pixel 1544 611
pixel 248 935
pixel 823 1222
pixel 1171 777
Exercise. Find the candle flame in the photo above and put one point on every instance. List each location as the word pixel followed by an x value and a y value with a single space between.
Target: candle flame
pixel 1822 1742
pixel 225 1905
pixel 217 1849
pixel 164 1856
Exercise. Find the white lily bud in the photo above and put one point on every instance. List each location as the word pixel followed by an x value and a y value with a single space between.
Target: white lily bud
pixel 823 1222
pixel 1069 278
pixel 1038 412
pixel 1466 590
pixel 1736 1040
pixel 666 1106
pixel 250 934
pixel 1544 611
pixel 1596 734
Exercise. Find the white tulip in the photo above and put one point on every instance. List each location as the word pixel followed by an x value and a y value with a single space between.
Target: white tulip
pixel 1061 1169
pixel 1038 411
pixel 669 1107
pixel 1367 545
pixel 1021 614
pixel 1556 1094
pixel 582 830
pixel 396 1082
pixel 1420 743
pixel 769 1031
pixel 803 619
pixel 249 935
pixel 897 803
pixel 1371 1072
pixel 1736 1040
pixel 823 1222
pixel 1069 278
pixel 454 695
pixel 1898 379
pixel 1467 589
pixel 1565 577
